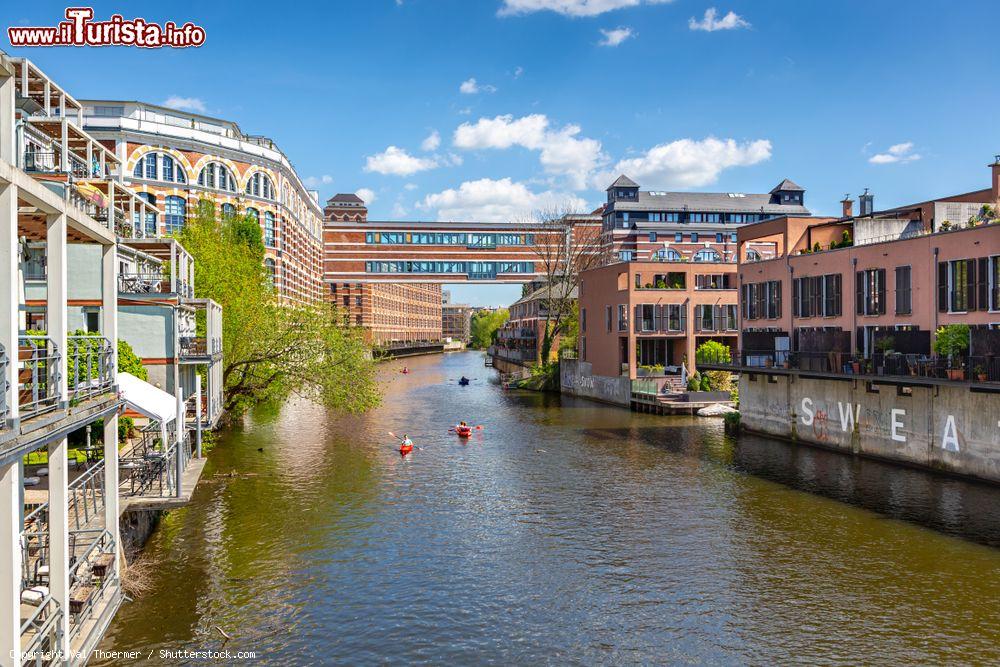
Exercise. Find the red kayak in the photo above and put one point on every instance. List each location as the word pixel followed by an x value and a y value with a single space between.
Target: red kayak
pixel 463 431
pixel 405 449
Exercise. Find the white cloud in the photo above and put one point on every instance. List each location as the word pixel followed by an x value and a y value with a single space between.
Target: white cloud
pixel 562 152
pixel 501 200
pixel 687 163
pixel 471 87
pixel 185 104
pixel 410 186
pixel 710 23
pixel 570 7
pixel 398 210
pixel 367 194
pixel 432 141
pixel 518 71
pixel 316 181
pixel 465 112
pixel 897 153
pixel 397 162
pixel 615 36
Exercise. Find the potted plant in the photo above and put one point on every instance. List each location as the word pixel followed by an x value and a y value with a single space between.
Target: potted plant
pixel 952 340
pixel 856 367
pixel 817 247
pixel 945 225
pixel 980 373
pixel 884 345
pixel 661 284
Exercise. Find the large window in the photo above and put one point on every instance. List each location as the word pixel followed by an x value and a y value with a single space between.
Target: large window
pixel 707 255
pixel 761 300
pixel 870 292
pixel 269 237
pixel 994 281
pixel 904 304
pixel 817 296
pixel 149 224
pixel 967 284
pixel 272 273
pixel 159 167
pixel 260 185
pixel 228 210
pixel 174 211
pixel 622 317
pixel 217 176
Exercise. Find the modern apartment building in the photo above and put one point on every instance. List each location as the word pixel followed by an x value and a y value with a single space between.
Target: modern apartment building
pixel 833 288
pixel 520 339
pixel 668 281
pixel 879 333
pixel 80 276
pixel 697 226
pixel 174 159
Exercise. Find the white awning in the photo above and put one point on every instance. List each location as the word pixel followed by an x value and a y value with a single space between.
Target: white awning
pixel 146 399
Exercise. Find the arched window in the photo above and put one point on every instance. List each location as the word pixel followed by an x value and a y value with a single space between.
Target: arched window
pixel 217 176
pixel 269 229
pixel 228 210
pixel 168 168
pixel 271 270
pixel 159 167
pixel 669 255
pixel 254 213
pixel 149 228
pixel 707 255
pixel 150 165
pixel 174 211
pixel 260 185
pixel 753 255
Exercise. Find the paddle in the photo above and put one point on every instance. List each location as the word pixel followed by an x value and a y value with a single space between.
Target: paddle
pixel 401 441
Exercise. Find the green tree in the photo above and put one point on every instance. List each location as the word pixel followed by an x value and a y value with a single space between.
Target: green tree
pixel 571 330
pixel 271 349
pixel 485 325
pixel 129 361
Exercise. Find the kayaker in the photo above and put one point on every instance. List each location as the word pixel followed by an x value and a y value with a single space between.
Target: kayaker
pixel 463 425
pixel 406 442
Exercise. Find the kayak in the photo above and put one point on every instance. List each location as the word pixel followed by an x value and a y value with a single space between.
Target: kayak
pixel 463 431
pixel 404 371
pixel 405 449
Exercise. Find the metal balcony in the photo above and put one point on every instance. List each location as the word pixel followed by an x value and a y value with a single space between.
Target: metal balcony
pixel 89 366
pixel 37 375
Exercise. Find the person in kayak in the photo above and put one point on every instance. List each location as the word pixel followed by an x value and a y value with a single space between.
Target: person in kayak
pixel 406 443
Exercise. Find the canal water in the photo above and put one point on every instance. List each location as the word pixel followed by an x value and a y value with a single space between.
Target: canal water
pixel 562 532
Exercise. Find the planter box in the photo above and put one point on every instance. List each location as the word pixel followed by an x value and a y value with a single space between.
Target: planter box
pixel 703 396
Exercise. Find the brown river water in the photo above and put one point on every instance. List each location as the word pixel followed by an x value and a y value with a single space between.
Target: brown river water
pixel 563 532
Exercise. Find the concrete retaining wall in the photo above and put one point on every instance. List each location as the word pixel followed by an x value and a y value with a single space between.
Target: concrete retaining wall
pixel 942 428
pixel 577 379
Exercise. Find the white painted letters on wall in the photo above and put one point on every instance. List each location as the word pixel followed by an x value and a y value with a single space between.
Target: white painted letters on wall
pixel 807 413
pixel 849 417
pixel 949 442
pixel 897 424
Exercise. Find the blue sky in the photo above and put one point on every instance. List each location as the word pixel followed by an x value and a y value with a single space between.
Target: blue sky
pixel 490 109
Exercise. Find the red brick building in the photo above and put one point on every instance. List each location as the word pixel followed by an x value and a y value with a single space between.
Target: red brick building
pixel 174 159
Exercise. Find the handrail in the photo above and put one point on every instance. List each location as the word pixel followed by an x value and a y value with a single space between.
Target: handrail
pixel 4 386
pixel 38 375
pixel 143 283
pixel 44 622
pixel 89 366
pixel 104 543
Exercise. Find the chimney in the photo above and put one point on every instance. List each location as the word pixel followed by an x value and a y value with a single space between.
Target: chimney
pixel 867 201
pixel 996 177
pixel 848 206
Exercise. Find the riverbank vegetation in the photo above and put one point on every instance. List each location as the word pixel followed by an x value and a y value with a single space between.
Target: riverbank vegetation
pixel 273 349
pixel 484 327
pixel 560 265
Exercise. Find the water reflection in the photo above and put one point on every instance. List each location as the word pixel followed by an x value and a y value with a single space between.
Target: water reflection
pixel 565 531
